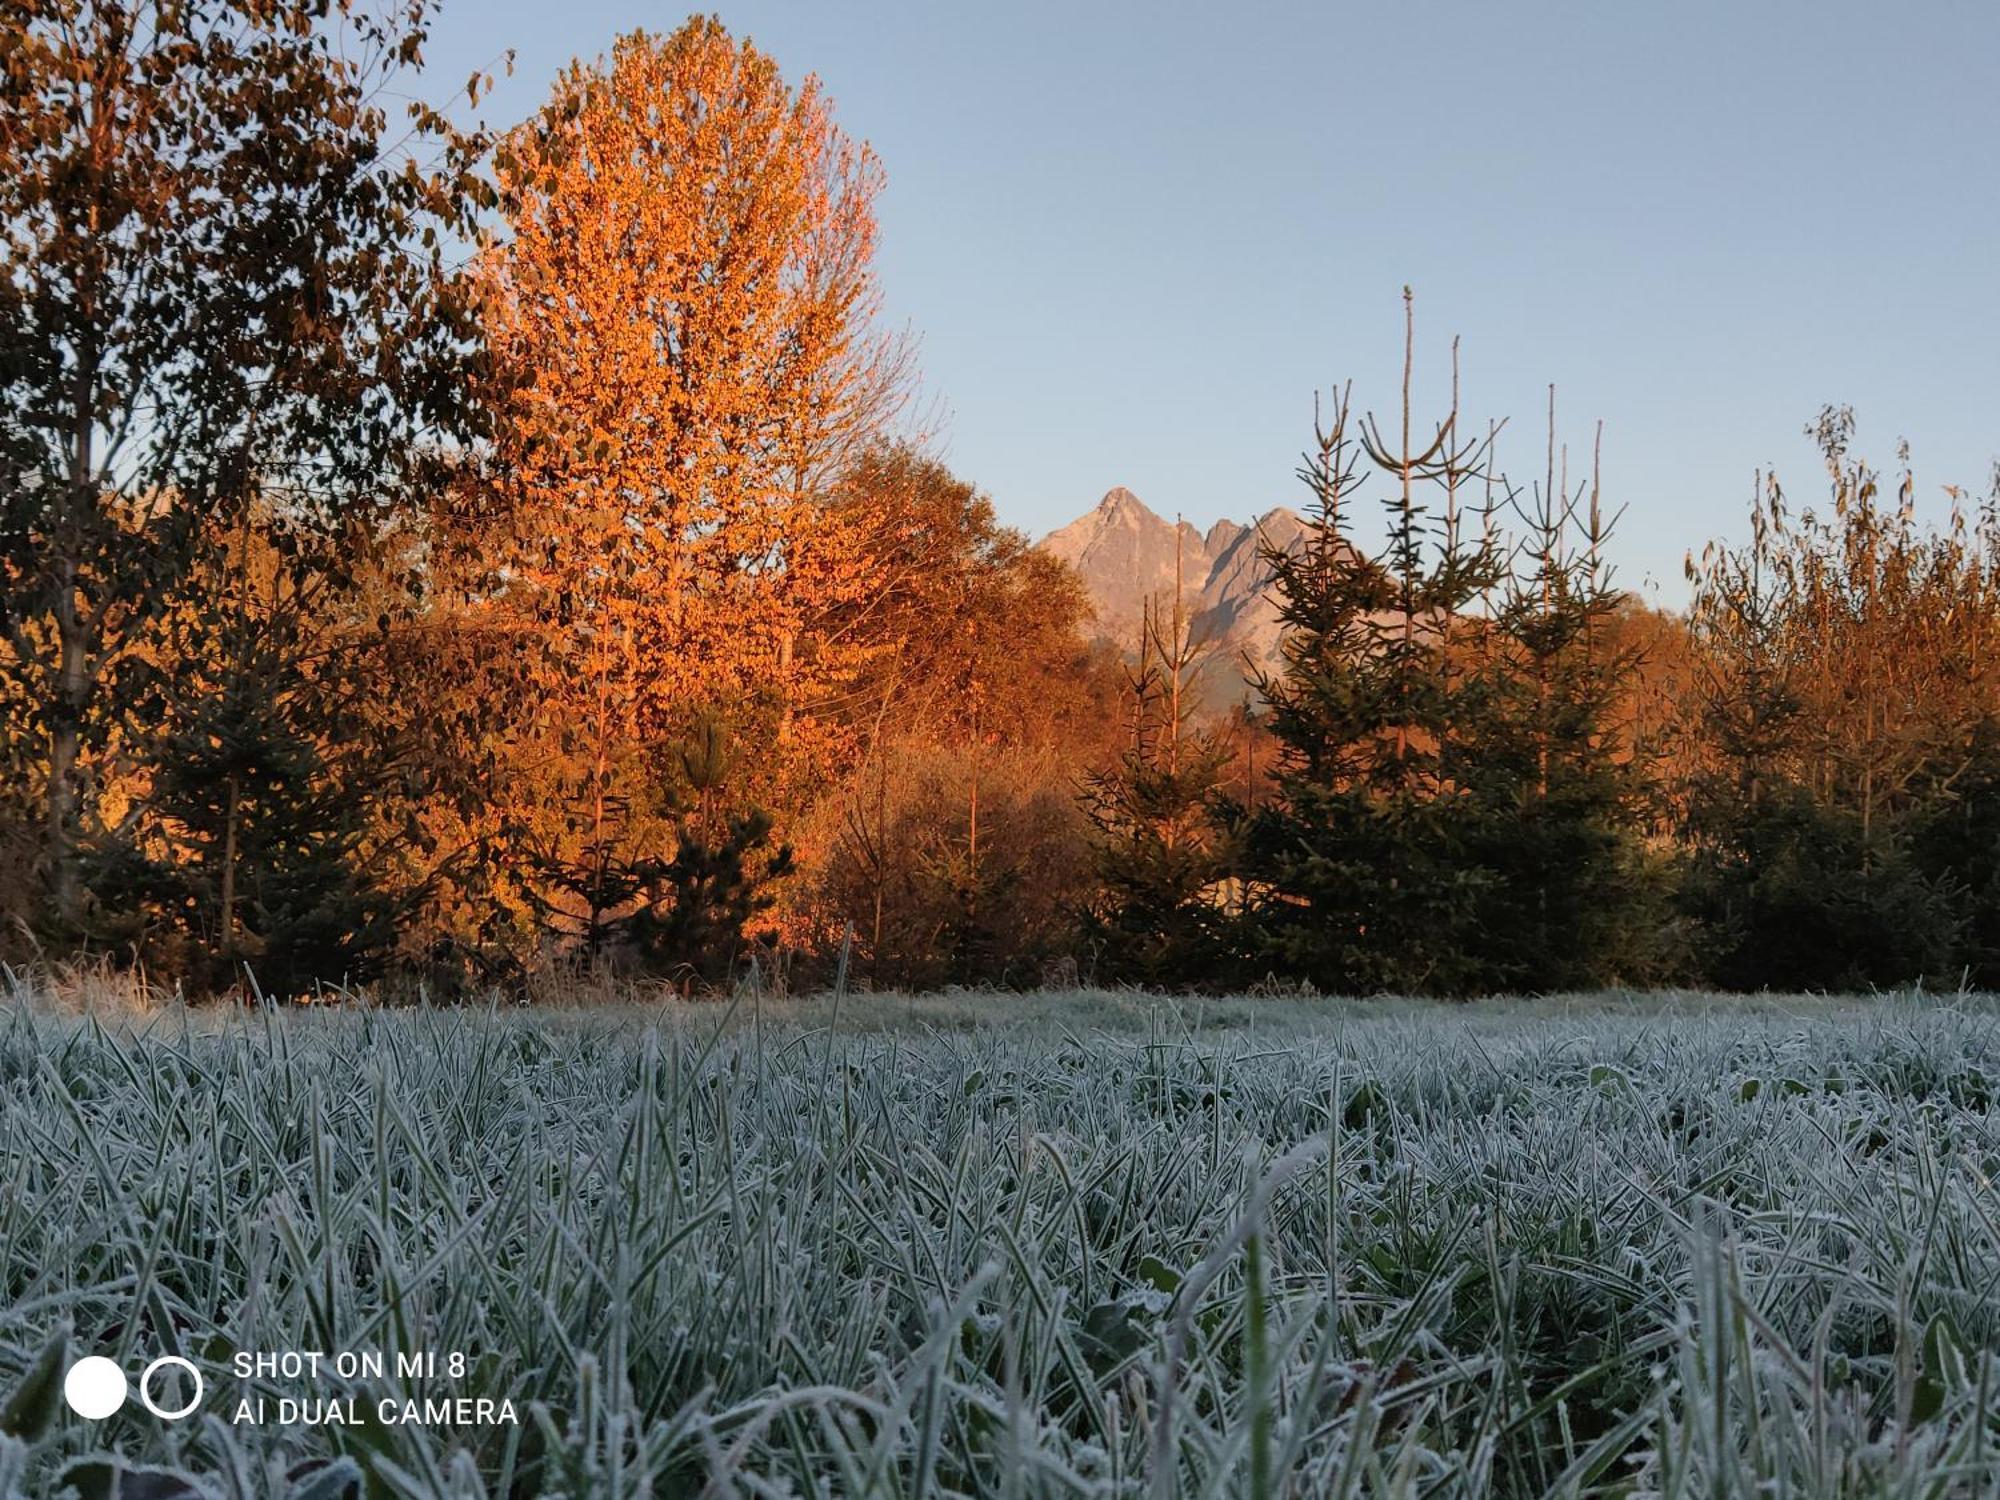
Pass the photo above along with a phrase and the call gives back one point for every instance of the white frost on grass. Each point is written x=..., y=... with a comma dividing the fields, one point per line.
x=962, y=1245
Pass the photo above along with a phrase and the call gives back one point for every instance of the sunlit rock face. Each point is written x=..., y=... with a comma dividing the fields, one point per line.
x=1126, y=554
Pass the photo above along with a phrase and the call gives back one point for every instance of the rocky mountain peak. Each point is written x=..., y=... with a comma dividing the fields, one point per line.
x=1126, y=554
x=1121, y=502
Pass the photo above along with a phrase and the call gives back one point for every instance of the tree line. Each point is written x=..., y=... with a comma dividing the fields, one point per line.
x=457, y=557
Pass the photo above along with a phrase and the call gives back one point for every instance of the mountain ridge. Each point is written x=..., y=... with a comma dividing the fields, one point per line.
x=1127, y=555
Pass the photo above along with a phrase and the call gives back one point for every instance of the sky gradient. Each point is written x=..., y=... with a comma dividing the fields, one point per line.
x=1133, y=239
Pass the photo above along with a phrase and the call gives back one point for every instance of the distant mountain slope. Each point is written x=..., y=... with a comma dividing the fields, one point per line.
x=1125, y=554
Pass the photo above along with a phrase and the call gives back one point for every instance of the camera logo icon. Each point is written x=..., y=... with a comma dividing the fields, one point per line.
x=95, y=1387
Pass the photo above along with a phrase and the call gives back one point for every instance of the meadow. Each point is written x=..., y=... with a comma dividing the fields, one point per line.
x=1058, y=1245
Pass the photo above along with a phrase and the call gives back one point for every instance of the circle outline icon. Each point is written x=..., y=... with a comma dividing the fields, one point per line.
x=146, y=1394
x=87, y=1387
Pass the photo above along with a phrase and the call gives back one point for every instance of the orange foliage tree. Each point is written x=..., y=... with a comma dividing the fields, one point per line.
x=953, y=848
x=682, y=311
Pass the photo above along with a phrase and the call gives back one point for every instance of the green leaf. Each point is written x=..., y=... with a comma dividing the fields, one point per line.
x=1944, y=1352
x=1609, y=1081
x=1158, y=1273
x=32, y=1405
x=108, y=1478
x=218, y=1349
x=1114, y=1331
x=326, y=1479
x=1363, y=1106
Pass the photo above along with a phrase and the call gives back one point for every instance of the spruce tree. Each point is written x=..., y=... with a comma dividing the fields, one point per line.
x=698, y=903
x=671, y=886
x=255, y=844
x=1162, y=853
x=1576, y=901
x=1363, y=874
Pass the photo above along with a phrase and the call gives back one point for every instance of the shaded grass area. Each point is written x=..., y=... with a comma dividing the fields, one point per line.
x=1096, y=1244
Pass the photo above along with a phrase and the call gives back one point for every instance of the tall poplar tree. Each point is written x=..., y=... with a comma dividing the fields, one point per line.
x=683, y=300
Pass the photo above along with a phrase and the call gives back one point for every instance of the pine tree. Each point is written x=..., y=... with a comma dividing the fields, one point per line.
x=1363, y=874
x=722, y=875
x=675, y=886
x=1577, y=902
x=258, y=836
x=1955, y=847
x=1162, y=851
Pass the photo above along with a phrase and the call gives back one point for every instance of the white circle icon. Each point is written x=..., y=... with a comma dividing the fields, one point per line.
x=166, y=1414
x=94, y=1387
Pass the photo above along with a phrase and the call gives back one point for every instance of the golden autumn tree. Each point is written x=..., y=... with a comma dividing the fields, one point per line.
x=682, y=312
x=952, y=847
x=1842, y=706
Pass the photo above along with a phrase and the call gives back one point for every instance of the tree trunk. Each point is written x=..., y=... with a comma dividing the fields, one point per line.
x=72, y=687
x=73, y=672
x=65, y=749
x=230, y=820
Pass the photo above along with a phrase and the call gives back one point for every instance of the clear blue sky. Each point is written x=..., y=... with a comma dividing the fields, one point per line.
x=1134, y=238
